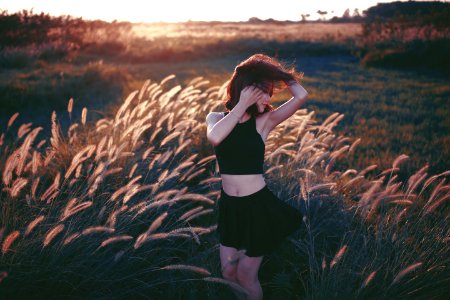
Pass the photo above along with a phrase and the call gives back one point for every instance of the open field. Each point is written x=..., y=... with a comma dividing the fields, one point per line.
x=114, y=195
x=126, y=207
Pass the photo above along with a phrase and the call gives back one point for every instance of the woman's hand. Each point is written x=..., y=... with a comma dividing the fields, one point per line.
x=250, y=95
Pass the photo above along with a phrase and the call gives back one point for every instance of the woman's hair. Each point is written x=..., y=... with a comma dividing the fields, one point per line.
x=262, y=71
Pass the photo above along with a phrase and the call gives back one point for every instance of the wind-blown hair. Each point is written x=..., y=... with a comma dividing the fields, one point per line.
x=262, y=71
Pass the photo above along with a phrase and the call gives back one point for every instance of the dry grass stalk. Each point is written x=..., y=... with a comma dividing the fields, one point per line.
x=206, y=211
x=12, y=119
x=70, y=209
x=157, y=223
x=274, y=168
x=170, y=137
x=124, y=106
x=147, y=152
x=34, y=186
x=367, y=170
x=80, y=157
x=195, y=269
x=348, y=172
x=3, y=275
x=193, y=197
x=70, y=107
x=154, y=134
x=368, y=279
x=367, y=196
x=40, y=144
x=354, y=145
x=211, y=180
x=389, y=171
x=133, y=169
x=83, y=115
x=402, y=202
x=436, y=203
x=303, y=189
x=337, y=153
x=165, y=157
x=324, y=263
x=36, y=162
x=17, y=186
x=125, y=188
x=190, y=213
x=52, y=233
x=112, y=219
x=338, y=256
x=56, y=137
x=115, y=239
x=141, y=239
x=97, y=229
x=193, y=175
x=327, y=186
x=100, y=147
x=164, y=195
x=412, y=184
x=52, y=189
x=23, y=129
x=16, y=161
x=435, y=192
x=405, y=271
x=9, y=240
x=71, y=238
x=50, y=156
x=133, y=190
x=113, y=171
x=229, y=283
x=33, y=225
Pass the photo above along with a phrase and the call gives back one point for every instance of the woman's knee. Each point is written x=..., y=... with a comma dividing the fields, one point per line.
x=229, y=272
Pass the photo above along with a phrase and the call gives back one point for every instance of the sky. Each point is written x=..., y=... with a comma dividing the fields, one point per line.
x=184, y=10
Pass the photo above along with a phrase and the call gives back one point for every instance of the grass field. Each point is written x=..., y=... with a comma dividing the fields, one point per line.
x=115, y=194
x=127, y=207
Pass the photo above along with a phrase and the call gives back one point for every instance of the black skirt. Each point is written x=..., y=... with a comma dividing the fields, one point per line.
x=256, y=223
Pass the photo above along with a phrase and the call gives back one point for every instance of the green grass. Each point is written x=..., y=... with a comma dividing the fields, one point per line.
x=351, y=227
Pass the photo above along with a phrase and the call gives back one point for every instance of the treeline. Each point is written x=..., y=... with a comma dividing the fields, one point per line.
x=25, y=28
x=407, y=34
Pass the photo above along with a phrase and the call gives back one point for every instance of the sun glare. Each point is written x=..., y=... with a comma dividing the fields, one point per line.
x=195, y=10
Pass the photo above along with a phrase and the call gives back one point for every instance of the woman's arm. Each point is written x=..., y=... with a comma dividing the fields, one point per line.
x=299, y=96
x=220, y=127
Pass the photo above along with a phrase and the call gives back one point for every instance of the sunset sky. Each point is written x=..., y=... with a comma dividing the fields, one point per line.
x=184, y=10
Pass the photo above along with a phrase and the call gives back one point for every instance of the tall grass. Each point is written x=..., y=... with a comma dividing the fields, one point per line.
x=126, y=207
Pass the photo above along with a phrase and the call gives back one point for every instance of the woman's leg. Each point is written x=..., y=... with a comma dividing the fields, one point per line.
x=229, y=258
x=247, y=275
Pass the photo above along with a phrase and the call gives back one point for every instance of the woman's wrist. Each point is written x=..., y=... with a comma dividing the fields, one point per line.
x=297, y=90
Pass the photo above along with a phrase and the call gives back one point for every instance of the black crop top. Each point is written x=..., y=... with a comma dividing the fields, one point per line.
x=242, y=151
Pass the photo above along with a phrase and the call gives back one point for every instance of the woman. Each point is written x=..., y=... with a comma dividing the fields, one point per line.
x=252, y=220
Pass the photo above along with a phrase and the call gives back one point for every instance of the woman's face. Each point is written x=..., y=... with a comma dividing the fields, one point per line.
x=263, y=102
x=267, y=89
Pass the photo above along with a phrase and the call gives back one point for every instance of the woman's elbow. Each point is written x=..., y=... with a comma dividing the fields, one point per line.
x=212, y=140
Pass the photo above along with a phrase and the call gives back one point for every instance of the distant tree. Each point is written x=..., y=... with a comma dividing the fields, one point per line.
x=346, y=14
x=356, y=13
x=305, y=17
x=322, y=13
x=255, y=20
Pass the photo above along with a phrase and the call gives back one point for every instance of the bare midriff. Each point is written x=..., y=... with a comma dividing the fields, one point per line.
x=242, y=185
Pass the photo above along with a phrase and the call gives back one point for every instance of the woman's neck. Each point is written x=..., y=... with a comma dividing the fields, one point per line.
x=244, y=117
